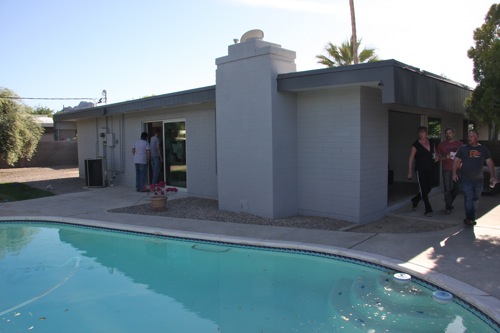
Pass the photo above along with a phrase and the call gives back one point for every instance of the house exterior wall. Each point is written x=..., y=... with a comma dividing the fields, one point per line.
x=200, y=147
x=87, y=142
x=374, y=154
x=342, y=153
x=201, y=153
x=329, y=153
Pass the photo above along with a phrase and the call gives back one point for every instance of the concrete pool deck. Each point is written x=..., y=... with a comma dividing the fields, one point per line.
x=462, y=260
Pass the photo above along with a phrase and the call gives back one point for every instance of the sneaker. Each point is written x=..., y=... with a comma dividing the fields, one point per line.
x=428, y=214
x=448, y=212
x=470, y=222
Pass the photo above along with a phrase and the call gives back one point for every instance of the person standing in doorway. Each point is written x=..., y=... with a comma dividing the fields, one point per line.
x=422, y=153
x=156, y=159
x=472, y=157
x=446, y=151
x=141, y=153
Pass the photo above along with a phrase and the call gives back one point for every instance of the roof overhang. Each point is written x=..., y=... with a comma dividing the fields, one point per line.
x=400, y=84
x=182, y=98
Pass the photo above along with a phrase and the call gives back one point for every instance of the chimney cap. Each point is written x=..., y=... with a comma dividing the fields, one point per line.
x=255, y=33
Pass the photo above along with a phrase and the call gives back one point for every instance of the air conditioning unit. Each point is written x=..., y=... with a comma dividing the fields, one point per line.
x=95, y=175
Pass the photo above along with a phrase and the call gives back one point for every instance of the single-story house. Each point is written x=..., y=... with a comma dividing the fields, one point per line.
x=274, y=142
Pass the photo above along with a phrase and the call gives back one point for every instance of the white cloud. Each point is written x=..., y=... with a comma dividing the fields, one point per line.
x=317, y=6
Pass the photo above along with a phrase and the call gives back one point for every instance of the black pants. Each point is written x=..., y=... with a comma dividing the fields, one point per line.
x=425, y=184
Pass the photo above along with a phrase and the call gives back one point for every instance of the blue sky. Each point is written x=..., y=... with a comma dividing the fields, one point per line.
x=133, y=49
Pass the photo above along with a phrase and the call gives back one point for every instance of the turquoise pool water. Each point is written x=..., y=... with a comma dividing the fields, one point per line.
x=66, y=278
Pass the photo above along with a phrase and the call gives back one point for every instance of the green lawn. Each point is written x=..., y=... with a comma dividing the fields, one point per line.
x=18, y=191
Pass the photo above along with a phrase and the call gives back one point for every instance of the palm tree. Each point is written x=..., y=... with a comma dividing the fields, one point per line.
x=353, y=28
x=345, y=55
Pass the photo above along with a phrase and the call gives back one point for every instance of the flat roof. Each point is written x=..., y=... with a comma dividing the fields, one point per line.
x=401, y=85
x=181, y=98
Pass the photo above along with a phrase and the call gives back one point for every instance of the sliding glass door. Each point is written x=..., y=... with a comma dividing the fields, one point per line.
x=175, y=153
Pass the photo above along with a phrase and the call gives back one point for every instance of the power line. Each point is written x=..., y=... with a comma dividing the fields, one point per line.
x=52, y=98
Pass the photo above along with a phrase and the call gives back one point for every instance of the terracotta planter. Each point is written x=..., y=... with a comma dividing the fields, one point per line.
x=158, y=203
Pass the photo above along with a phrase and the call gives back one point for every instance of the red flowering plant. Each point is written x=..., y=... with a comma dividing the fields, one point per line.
x=161, y=190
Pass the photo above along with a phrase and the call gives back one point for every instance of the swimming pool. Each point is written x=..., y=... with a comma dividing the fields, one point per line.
x=56, y=277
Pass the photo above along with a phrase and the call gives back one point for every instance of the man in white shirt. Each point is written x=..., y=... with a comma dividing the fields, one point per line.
x=142, y=155
x=156, y=156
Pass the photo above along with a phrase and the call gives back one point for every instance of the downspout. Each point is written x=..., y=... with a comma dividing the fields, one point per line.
x=122, y=141
x=97, y=137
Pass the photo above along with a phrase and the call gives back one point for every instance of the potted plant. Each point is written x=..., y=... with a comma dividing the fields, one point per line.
x=159, y=195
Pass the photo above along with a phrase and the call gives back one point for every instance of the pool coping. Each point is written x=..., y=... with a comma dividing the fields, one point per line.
x=477, y=298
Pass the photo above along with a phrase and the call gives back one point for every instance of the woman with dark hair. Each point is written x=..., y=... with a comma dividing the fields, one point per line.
x=422, y=153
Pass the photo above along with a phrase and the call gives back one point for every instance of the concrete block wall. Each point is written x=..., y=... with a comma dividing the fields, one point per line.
x=48, y=153
x=329, y=153
x=374, y=151
x=200, y=153
x=87, y=147
x=255, y=125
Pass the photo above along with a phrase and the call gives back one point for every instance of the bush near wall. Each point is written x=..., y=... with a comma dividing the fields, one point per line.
x=48, y=154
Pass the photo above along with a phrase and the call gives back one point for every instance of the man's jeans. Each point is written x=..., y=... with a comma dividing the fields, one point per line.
x=140, y=176
x=472, y=192
x=155, y=166
x=450, y=189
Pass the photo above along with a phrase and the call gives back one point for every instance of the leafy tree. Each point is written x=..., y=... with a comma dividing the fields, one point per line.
x=43, y=111
x=483, y=105
x=344, y=55
x=19, y=133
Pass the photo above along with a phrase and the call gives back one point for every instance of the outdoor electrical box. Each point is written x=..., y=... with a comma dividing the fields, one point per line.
x=95, y=175
x=110, y=140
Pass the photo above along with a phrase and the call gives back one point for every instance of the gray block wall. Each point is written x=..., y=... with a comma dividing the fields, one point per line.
x=328, y=153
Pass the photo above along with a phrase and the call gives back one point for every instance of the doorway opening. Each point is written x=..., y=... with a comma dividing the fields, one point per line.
x=172, y=150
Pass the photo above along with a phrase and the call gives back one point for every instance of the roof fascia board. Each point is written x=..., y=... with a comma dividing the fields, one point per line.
x=400, y=83
x=381, y=73
x=187, y=97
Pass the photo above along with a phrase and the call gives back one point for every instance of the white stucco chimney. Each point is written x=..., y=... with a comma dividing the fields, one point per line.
x=256, y=129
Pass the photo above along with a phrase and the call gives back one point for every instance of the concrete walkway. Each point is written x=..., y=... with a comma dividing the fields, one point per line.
x=462, y=260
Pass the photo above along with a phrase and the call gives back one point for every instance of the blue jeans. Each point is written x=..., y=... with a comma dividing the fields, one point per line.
x=472, y=192
x=155, y=166
x=140, y=176
x=450, y=189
